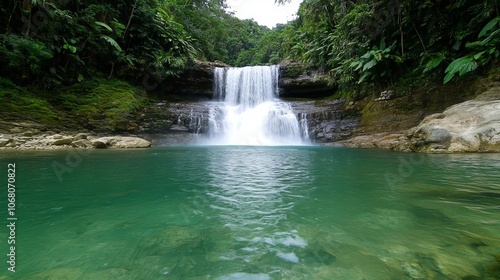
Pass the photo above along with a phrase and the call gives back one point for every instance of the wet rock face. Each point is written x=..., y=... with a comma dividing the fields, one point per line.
x=195, y=83
x=295, y=80
x=178, y=117
x=327, y=120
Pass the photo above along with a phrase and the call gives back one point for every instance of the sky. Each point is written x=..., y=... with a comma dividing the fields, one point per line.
x=264, y=12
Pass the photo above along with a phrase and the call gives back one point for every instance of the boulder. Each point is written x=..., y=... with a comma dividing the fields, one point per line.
x=82, y=144
x=471, y=126
x=100, y=143
x=61, y=141
x=120, y=142
x=81, y=136
x=131, y=142
x=4, y=142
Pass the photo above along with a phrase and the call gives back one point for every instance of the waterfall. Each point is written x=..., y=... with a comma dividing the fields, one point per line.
x=250, y=112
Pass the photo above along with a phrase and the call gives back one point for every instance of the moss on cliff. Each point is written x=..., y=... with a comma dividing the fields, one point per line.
x=96, y=104
x=21, y=104
x=102, y=104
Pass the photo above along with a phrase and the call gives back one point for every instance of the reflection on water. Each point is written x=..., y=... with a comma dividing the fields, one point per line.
x=252, y=193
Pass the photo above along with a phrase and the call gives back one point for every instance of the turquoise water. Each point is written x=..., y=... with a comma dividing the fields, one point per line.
x=254, y=213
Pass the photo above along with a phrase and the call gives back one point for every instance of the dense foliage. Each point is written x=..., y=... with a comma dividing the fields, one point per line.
x=67, y=41
x=378, y=41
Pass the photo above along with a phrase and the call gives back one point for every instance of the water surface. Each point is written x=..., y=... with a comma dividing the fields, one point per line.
x=255, y=213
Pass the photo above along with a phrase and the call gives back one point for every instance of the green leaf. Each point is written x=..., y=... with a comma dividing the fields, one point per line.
x=398, y=59
x=102, y=24
x=478, y=55
x=360, y=64
x=369, y=65
x=433, y=63
x=112, y=42
x=461, y=66
x=366, y=55
x=80, y=78
x=468, y=67
x=69, y=47
x=363, y=77
x=448, y=77
x=382, y=44
x=491, y=37
x=488, y=26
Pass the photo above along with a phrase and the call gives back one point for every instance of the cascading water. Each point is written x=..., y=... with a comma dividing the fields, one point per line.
x=251, y=113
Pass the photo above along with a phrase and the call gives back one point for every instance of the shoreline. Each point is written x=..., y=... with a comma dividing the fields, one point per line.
x=31, y=141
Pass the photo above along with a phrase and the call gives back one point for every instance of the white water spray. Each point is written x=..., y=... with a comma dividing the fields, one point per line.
x=251, y=113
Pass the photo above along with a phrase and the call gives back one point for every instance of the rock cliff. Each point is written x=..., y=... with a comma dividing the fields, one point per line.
x=295, y=80
x=471, y=126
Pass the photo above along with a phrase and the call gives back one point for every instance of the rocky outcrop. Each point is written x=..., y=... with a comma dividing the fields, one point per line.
x=175, y=117
x=195, y=83
x=471, y=126
x=378, y=140
x=51, y=141
x=122, y=142
x=296, y=80
x=327, y=120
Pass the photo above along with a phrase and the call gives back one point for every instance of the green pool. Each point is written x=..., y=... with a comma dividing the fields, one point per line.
x=253, y=213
